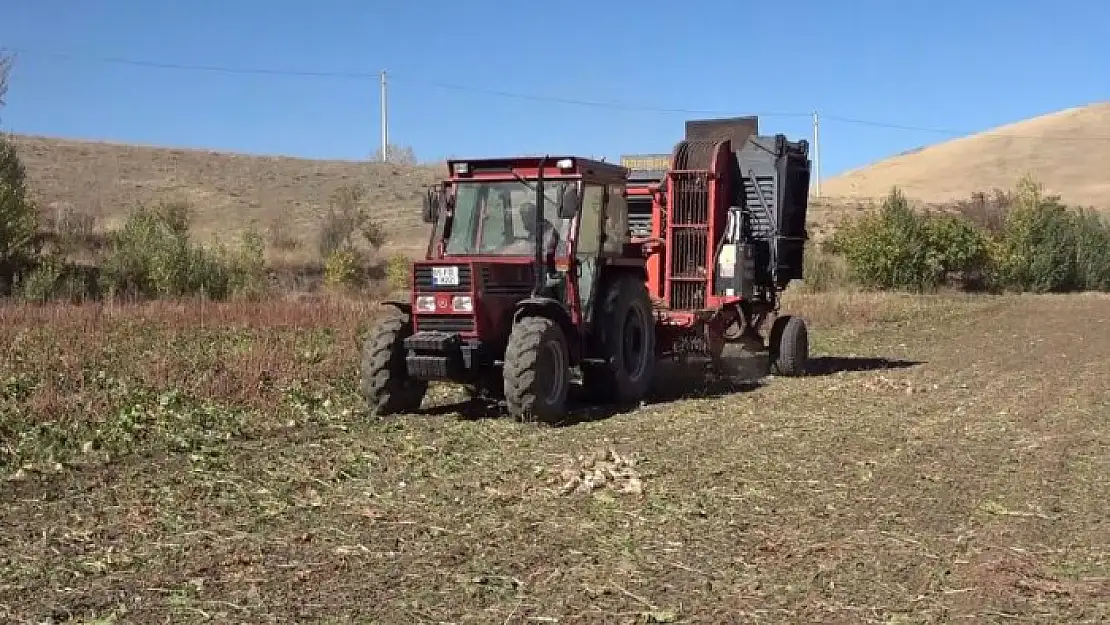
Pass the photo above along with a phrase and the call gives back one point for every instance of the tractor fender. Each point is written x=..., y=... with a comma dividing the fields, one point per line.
x=402, y=306
x=552, y=309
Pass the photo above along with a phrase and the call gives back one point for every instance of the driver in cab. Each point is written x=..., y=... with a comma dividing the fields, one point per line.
x=525, y=245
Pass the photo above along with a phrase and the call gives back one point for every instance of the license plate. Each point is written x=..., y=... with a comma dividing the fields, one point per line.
x=445, y=276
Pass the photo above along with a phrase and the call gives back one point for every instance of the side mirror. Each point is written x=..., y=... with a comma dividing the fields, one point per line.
x=568, y=203
x=430, y=214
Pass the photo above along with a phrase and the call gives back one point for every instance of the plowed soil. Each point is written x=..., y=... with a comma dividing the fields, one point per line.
x=947, y=461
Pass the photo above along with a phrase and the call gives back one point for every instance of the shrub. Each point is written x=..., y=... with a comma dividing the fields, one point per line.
x=246, y=265
x=398, y=272
x=1092, y=251
x=153, y=256
x=281, y=232
x=19, y=241
x=890, y=249
x=347, y=218
x=1037, y=248
x=898, y=248
x=957, y=247
x=823, y=272
x=1019, y=241
x=341, y=271
x=986, y=211
x=53, y=278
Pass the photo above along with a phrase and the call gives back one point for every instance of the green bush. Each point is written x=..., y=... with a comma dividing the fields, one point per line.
x=957, y=248
x=398, y=272
x=1092, y=251
x=893, y=249
x=1022, y=241
x=56, y=278
x=247, y=265
x=152, y=256
x=341, y=270
x=19, y=240
x=1046, y=247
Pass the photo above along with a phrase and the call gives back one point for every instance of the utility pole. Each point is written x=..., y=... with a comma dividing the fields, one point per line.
x=816, y=154
x=385, y=120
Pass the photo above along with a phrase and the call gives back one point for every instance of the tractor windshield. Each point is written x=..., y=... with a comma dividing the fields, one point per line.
x=498, y=219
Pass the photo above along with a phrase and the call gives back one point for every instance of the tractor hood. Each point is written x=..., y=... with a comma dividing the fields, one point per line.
x=469, y=296
x=486, y=276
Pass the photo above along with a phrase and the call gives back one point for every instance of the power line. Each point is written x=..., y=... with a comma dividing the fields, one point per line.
x=220, y=69
x=363, y=75
x=350, y=75
x=591, y=103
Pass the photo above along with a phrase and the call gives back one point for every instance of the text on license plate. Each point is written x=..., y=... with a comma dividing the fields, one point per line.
x=445, y=276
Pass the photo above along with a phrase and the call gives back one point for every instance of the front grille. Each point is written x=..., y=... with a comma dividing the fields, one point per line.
x=423, y=279
x=444, y=323
x=506, y=280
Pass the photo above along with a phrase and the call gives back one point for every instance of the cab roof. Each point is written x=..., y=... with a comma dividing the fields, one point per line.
x=506, y=164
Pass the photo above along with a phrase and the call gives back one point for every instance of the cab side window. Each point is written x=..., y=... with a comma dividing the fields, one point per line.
x=616, y=220
x=589, y=229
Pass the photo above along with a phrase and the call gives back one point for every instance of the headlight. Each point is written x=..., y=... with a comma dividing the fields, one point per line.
x=462, y=303
x=426, y=303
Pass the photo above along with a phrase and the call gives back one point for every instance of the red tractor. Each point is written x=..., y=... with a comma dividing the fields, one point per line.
x=543, y=269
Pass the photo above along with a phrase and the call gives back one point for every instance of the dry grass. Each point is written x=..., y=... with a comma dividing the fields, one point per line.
x=228, y=192
x=1072, y=167
x=284, y=198
x=947, y=462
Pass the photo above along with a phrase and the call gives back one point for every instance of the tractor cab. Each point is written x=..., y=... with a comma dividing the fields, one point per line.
x=516, y=228
x=529, y=265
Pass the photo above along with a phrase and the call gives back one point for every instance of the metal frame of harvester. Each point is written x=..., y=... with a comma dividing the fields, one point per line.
x=681, y=258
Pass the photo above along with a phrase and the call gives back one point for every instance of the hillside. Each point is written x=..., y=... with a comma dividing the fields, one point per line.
x=230, y=191
x=1068, y=151
x=227, y=191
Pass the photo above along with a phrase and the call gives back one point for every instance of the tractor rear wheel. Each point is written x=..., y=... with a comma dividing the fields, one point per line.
x=788, y=346
x=537, y=370
x=386, y=385
x=626, y=328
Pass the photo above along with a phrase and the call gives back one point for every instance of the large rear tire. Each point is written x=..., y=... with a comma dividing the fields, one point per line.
x=626, y=335
x=537, y=370
x=789, y=346
x=385, y=384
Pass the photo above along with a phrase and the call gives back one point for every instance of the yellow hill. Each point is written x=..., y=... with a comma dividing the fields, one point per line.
x=227, y=192
x=1067, y=151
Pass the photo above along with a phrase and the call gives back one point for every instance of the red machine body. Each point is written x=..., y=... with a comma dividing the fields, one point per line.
x=727, y=217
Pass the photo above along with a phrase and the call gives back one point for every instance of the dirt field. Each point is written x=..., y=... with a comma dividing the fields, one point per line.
x=211, y=467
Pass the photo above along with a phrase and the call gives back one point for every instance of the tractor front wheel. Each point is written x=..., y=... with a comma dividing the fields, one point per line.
x=386, y=385
x=537, y=370
x=789, y=346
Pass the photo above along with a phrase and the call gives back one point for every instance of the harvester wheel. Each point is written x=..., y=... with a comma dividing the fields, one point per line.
x=789, y=346
x=537, y=370
x=385, y=383
x=627, y=337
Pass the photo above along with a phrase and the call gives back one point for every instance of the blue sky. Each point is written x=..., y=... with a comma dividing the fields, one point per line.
x=941, y=64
